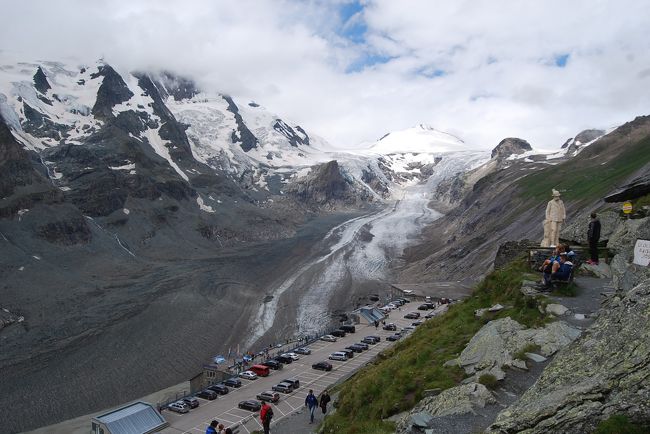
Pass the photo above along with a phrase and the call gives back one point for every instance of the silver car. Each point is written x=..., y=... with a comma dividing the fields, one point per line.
x=328, y=338
x=248, y=375
x=178, y=407
x=339, y=356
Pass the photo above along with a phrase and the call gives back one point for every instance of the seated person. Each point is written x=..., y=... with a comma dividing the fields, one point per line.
x=555, y=257
x=559, y=270
x=564, y=269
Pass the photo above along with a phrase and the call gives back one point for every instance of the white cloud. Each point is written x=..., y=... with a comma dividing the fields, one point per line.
x=495, y=60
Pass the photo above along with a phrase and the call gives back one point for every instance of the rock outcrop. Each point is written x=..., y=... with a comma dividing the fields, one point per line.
x=495, y=345
x=510, y=146
x=626, y=274
x=584, y=137
x=455, y=401
x=638, y=187
x=326, y=185
x=576, y=231
x=605, y=372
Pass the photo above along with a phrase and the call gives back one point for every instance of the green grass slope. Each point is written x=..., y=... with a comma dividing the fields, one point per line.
x=593, y=173
x=396, y=381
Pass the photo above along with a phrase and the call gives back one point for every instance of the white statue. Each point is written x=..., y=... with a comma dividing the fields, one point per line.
x=555, y=216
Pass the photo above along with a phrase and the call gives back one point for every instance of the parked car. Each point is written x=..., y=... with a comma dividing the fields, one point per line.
x=219, y=388
x=416, y=323
x=283, y=387
x=208, y=394
x=374, y=297
x=292, y=356
x=412, y=315
x=295, y=383
x=393, y=338
x=248, y=375
x=322, y=366
x=355, y=348
x=362, y=345
x=408, y=328
x=349, y=353
x=368, y=340
x=397, y=302
x=232, y=382
x=268, y=396
x=423, y=307
x=273, y=364
x=303, y=350
x=390, y=326
x=250, y=405
x=375, y=337
x=429, y=315
x=328, y=338
x=348, y=328
x=338, y=355
x=282, y=358
x=178, y=407
x=191, y=402
x=338, y=333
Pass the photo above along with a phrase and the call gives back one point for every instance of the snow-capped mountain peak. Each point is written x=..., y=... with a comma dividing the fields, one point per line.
x=421, y=138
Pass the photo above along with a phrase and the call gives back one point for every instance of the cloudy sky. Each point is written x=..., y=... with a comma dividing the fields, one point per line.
x=351, y=71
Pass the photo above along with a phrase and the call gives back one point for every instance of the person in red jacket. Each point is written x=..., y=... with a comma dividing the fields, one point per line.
x=266, y=414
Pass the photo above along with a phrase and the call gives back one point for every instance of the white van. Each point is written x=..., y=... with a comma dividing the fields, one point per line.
x=339, y=356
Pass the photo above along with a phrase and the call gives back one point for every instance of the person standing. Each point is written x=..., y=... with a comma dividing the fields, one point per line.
x=266, y=414
x=212, y=429
x=593, y=235
x=324, y=399
x=311, y=402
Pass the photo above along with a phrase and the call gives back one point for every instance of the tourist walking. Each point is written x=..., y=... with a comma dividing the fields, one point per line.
x=593, y=235
x=311, y=402
x=324, y=399
x=266, y=414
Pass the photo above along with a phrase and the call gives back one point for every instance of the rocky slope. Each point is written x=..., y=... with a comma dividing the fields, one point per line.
x=606, y=371
x=505, y=198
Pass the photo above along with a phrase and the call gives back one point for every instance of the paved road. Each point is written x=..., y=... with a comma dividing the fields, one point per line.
x=225, y=410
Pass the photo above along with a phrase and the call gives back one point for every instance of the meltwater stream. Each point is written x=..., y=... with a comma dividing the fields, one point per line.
x=352, y=256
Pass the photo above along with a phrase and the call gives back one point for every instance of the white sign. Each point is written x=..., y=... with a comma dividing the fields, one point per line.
x=642, y=252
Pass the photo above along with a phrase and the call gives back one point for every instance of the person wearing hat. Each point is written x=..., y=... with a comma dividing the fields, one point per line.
x=555, y=216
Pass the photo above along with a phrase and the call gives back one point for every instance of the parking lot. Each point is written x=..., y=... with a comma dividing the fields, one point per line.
x=224, y=409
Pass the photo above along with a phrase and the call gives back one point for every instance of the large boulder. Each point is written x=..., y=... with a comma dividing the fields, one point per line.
x=605, y=372
x=626, y=274
x=454, y=401
x=496, y=344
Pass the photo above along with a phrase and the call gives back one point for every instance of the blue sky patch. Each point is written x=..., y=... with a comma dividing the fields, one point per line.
x=353, y=28
x=430, y=72
x=366, y=61
x=561, y=60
